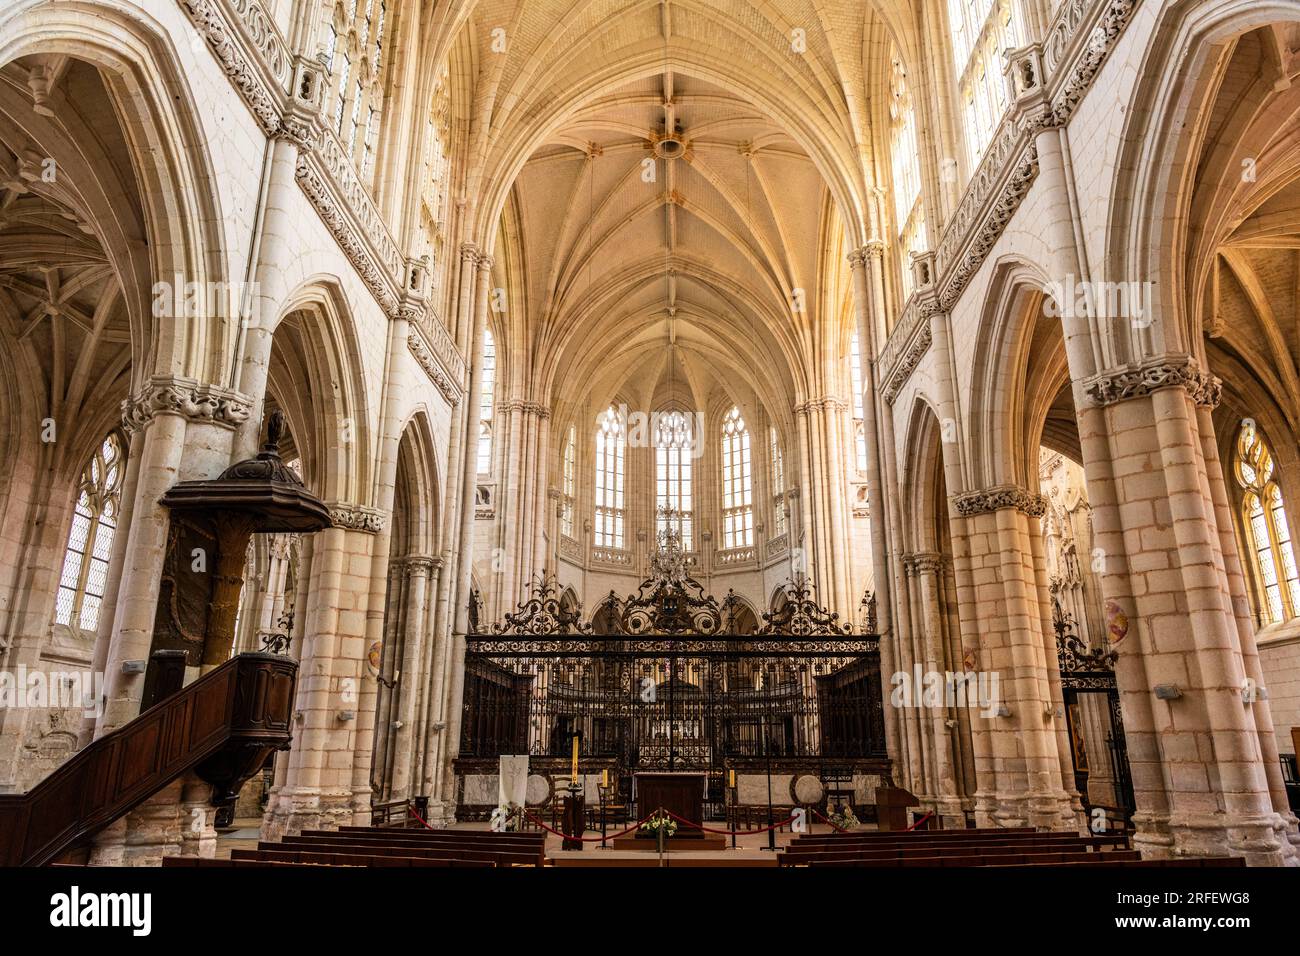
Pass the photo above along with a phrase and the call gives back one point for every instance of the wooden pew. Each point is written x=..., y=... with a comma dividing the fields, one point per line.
x=873, y=841
x=1067, y=844
x=1022, y=858
x=476, y=837
x=354, y=858
x=498, y=855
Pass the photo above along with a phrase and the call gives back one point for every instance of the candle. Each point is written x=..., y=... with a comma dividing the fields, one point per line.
x=575, y=758
x=604, y=778
x=731, y=779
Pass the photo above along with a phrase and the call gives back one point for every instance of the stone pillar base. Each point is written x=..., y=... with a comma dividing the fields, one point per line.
x=197, y=816
x=295, y=811
x=1041, y=811
x=441, y=813
x=1261, y=840
x=147, y=834
x=950, y=811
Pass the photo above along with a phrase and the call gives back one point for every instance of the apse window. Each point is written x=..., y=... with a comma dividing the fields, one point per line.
x=486, y=403
x=778, y=483
x=737, y=490
x=94, y=521
x=570, y=482
x=674, y=442
x=611, y=446
x=1268, y=536
x=859, y=428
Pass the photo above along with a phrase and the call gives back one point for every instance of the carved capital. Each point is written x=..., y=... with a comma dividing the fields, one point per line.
x=1135, y=381
x=924, y=562
x=358, y=517
x=186, y=397
x=995, y=499
x=421, y=564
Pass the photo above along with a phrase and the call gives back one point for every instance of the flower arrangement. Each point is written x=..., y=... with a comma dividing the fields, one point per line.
x=659, y=825
x=843, y=818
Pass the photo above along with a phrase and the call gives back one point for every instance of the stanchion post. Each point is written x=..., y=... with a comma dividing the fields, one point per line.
x=602, y=818
x=771, y=824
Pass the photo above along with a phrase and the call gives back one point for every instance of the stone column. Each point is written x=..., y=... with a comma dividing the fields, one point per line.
x=160, y=412
x=1199, y=776
x=1235, y=586
x=929, y=569
x=454, y=676
x=1016, y=745
x=319, y=788
x=417, y=569
x=880, y=583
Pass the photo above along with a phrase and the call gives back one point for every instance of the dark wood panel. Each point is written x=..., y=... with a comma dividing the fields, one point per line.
x=194, y=728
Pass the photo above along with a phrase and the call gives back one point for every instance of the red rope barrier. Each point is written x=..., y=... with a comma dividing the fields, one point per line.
x=928, y=815
x=587, y=839
x=410, y=807
x=698, y=826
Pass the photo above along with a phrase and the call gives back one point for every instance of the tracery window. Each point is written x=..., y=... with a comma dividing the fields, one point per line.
x=90, y=539
x=356, y=89
x=486, y=403
x=674, y=443
x=737, y=484
x=982, y=30
x=859, y=428
x=909, y=211
x=778, y=483
x=611, y=444
x=1268, y=536
x=570, y=482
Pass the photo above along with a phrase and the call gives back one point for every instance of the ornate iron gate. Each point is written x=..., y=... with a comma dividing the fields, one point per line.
x=1087, y=671
x=676, y=688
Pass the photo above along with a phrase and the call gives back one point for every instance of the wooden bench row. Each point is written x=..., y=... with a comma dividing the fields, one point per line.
x=1065, y=845
x=383, y=846
x=498, y=855
x=874, y=841
x=1020, y=857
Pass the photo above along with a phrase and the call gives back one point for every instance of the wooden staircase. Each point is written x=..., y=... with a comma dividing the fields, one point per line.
x=222, y=727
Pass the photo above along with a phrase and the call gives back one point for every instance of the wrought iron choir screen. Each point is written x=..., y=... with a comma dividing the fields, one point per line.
x=674, y=684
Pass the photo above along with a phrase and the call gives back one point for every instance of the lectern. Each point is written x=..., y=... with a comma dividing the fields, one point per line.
x=891, y=807
x=679, y=793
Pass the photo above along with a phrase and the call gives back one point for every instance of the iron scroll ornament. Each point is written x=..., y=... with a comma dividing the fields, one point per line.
x=801, y=616
x=543, y=612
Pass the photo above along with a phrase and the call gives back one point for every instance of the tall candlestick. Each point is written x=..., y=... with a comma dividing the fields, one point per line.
x=575, y=758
